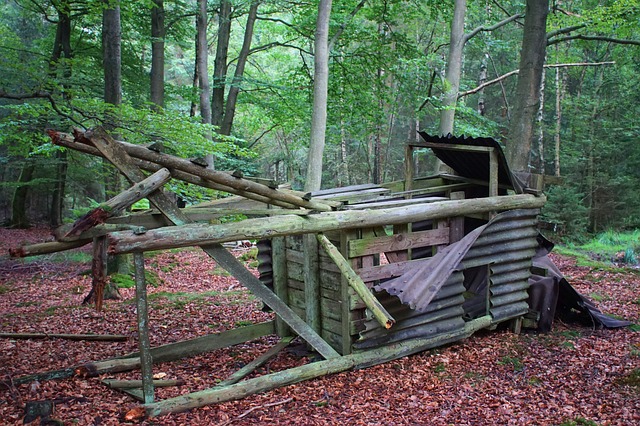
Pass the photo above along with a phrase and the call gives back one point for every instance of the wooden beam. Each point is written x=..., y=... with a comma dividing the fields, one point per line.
x=198, y=234
x=146, y=360
x=120, y=202
x=84, y=337
x=376, y=308
x=133, y=384
x=397, y=242
x=46, y=248
x=304, y=372
x=256, y=363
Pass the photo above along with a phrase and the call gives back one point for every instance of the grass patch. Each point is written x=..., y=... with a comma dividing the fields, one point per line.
x=27, y=303
x=129, y=281
x=62, y=257
x=630, y=379
x=578, y=421
x=515, y=362
x=606, y=248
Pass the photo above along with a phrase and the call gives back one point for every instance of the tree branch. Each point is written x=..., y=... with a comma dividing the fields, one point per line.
x=40, y=95
x=514, y=72
x=565, y=30
x=493, y=27
x=338, y=33
x=598, y=38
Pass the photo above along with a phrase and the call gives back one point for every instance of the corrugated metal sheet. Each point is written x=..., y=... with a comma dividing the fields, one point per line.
x=501, y=250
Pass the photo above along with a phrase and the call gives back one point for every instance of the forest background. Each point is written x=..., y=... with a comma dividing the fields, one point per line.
x=233, y=81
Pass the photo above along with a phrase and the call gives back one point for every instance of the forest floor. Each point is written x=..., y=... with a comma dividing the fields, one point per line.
x=571, y=376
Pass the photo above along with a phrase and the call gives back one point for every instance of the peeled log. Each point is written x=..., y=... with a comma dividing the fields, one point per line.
x=200, y=234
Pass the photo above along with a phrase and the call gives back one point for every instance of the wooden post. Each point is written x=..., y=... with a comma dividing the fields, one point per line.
x=99, y=270
x=312, y=282
x=143, y=329
x=279, y=265
x=408, y=169
x=376, y=308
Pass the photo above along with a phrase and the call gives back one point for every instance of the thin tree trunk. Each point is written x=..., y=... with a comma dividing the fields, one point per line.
x=202, y=62
x=320, y=95
x=454, y=68
x=157, y=53
x=19, y=217
x=57, y=195
x=234, y=90
x=220, y=64
x=559, y=97
x=540, y=121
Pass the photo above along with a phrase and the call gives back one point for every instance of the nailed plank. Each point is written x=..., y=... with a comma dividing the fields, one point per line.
x=376, y=245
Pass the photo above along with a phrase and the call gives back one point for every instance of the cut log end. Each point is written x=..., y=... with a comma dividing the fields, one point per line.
x=137, y=413
x=17, y=252
x=86, y=371
x=389, y=324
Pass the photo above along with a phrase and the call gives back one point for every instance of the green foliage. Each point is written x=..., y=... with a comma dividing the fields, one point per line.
x=565, y=210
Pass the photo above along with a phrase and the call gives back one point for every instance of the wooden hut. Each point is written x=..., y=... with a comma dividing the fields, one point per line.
x=364, y=274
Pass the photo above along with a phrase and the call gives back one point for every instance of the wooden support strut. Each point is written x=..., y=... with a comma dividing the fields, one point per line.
x=114, y=152
x=379, y=312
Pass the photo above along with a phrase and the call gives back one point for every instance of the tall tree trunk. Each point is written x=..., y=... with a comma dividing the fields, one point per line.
x=202, y=62
x=220, y=64
x=111, y=53
x=320, y=95
x=232, y=97
x=540, y=166
x=19, y=217
x=454, y=68
x=559, y=97
x=61, y=49
x=481, y=80
x=527, y=96
x=157, y=53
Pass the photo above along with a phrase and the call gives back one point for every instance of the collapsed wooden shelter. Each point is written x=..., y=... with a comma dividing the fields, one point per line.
x=364, y=274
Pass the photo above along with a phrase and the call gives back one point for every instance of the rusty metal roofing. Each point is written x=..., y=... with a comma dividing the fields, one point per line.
x=473, y=165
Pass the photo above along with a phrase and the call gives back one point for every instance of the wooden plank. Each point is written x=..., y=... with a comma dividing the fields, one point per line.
x=332, y=191
x=133, y=384
x=312, y=282
x=390, y=270
x=379, y=312
x=456, y=224
x=279, y=265
x=146, y=361
x=397, y=242
x=392, y=203
x=451, y=147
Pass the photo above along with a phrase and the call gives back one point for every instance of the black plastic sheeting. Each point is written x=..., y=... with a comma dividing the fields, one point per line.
x=553, y=297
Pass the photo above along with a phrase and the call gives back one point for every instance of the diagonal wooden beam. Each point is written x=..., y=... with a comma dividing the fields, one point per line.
x=119, y=157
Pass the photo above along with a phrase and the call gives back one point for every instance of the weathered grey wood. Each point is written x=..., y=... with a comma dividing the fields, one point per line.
x=61, y=232
x=408, y=170
x=196, y=234
x=67, y=141
x=146, y=361
x=392, y=203
x=133, y=384
x=99, y=270
x=235, y=183
x=179, y=350
x=397, y=242
x=46, y=248
x=120, y=202
x=246, y=278
x=376, y=308
x=305, y=372
x=279, y=270
x=256, y=363
x=382, y=272
x=312, y=282
x=85, y=337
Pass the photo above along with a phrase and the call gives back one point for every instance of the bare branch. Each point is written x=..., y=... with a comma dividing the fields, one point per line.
x=338, y=33
x=597, y=38
x=514, y=72
x=565, y=30
x=493, y=27
x=40, y=95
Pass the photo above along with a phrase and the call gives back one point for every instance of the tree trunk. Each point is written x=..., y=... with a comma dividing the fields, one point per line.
x=232, y=97
x=157, y=53
x=320, y=95
x=202, y=62
x=539, y=165
x=559, y=97
x=527, y=96
x=19, y=217
x=57, y=196
x=454, y=68
x=220, y=64
x=111, y=56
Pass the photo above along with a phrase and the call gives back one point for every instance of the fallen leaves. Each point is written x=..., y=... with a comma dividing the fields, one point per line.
x=495, y=377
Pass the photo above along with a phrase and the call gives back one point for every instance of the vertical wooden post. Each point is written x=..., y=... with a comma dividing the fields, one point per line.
x=312, y=281
x=346, y=295
x=279, y=265
x=99, y=270
x=456, y=224
x=408, y=169
x=146, y=361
